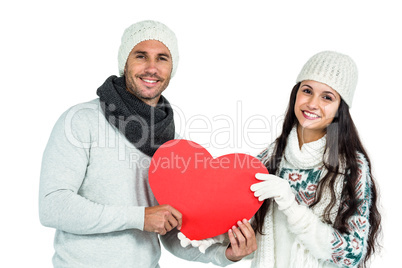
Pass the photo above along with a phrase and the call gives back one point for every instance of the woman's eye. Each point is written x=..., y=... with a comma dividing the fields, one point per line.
x=308, y=91
x=328, y=98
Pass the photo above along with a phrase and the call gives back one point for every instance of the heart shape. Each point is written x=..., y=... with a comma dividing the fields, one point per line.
x=211, y=193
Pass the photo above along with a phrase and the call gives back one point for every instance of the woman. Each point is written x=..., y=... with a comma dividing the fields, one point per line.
x=320, y=199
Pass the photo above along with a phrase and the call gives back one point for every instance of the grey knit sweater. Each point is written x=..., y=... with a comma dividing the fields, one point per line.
x=94, y=190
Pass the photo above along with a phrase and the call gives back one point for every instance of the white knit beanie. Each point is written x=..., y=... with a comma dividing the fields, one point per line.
x=334, y=69
x=147, y=30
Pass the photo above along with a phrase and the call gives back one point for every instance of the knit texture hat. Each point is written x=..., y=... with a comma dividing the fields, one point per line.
x=147, y=30
x=334, y=69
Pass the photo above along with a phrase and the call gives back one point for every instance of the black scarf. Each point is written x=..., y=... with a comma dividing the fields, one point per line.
x=146, y=127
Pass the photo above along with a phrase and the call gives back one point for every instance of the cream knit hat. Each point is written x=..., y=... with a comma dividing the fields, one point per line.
x=334, y=69
x=147, y=30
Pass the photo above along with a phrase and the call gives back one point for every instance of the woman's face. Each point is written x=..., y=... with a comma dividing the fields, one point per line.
x=315, y=108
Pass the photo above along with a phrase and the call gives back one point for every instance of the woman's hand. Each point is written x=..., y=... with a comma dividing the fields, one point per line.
x=201, y=244
x=242, y=241
x=273, y=187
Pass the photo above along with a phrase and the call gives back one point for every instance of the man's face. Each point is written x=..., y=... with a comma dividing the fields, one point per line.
x=147, y=71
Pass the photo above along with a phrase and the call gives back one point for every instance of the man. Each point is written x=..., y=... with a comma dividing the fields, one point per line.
x=94, y=181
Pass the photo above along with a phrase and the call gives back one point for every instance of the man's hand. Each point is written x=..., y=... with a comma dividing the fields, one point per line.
x=242, y=241
x=162, y=219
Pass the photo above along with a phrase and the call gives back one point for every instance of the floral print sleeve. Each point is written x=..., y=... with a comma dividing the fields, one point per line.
x=348, y=249
x=266, y=153
x=263, y=155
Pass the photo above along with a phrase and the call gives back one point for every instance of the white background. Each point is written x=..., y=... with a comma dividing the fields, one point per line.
x=238, y=60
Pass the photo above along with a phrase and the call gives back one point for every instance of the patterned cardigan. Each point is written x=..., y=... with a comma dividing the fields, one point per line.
x=312, y=242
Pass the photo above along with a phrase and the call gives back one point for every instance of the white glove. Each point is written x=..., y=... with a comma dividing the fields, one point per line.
x=201, y=244
x=273, y=187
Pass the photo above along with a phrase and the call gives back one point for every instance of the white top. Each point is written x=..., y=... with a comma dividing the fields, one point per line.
x=297, y=236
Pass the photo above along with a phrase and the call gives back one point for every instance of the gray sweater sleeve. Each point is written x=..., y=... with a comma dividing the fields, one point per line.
x=64, y=167
x=214, y=254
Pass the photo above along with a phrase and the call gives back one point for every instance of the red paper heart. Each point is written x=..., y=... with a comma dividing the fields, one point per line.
x=212, y=194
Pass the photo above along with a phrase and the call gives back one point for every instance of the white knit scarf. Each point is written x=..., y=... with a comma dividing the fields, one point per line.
x=308, y=157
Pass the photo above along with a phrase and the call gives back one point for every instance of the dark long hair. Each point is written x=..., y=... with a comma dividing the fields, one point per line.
x=343, y=145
